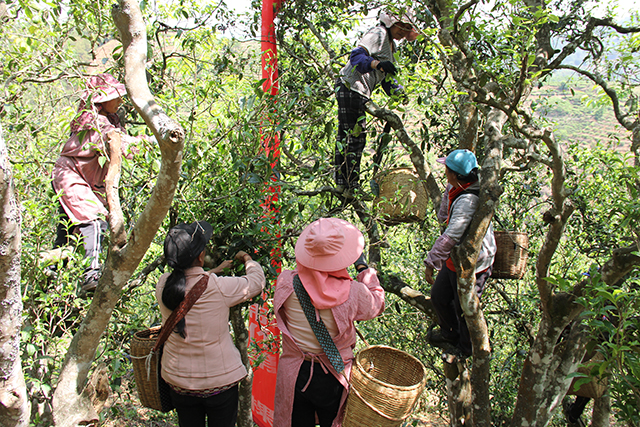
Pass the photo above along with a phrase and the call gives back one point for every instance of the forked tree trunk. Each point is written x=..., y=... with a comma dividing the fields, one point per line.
x=70, y=406
x=14, y=405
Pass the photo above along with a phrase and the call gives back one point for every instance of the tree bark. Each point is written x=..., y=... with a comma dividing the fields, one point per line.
x=458, y=393
x=14, y=404
x=464, y=257
x=241, y=337
x=70, y=406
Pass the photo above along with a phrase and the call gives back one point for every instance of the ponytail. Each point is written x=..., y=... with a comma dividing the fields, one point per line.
x=466, y=179
x=173, y=294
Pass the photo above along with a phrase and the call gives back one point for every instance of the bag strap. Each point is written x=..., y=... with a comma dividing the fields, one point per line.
x=318, y=327
x=181, y=311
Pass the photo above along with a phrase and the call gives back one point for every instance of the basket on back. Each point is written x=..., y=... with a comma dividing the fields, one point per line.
x=146, y=374
x=594, y=388
x=385, y=386
x=511, y=256
x=402, y=197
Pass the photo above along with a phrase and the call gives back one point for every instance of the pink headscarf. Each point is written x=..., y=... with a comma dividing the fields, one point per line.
x=327, y=289
x=89, y=116
x=101, y=88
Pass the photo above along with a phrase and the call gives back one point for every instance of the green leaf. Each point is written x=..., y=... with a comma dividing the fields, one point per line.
x=31, y=349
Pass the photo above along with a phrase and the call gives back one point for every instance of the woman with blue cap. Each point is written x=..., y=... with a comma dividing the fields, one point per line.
x=459, y=203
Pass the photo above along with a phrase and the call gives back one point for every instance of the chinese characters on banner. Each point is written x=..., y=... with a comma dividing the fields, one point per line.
x=263, y=332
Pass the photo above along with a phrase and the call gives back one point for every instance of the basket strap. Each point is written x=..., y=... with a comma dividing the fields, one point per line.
x=181, y=311
x=495, y=215
x=374, y=409
x=364, y=340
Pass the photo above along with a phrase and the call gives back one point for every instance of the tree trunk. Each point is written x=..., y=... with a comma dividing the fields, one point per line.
x=70, y=406
x=458, y=393
x=14, y=405
x=241, y=335
x=601, y=411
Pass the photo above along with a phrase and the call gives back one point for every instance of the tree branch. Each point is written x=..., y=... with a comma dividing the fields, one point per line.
x=395, y=285
x=623, y=119
x=112, y=182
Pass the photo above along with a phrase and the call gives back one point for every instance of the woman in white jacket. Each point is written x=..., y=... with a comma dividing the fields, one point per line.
x=459, y=203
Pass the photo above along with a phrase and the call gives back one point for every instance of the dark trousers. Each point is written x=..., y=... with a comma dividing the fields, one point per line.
x=446, y=303
x=577, y=408
x=352, y=136
x=220, y=410
x=92, y=234
x=322, y=397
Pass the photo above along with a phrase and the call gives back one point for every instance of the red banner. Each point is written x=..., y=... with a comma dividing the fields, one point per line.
x=264, y=335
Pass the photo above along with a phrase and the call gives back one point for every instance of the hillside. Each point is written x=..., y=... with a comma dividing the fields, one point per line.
x=579, y=113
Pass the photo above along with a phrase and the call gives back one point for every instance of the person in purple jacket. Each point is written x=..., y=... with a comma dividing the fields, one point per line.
x=79, y=173
x=370, y=64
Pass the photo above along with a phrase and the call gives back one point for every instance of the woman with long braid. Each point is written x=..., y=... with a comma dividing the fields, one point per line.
x=200, y=361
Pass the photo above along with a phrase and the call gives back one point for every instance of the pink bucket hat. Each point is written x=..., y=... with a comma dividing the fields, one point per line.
x=329, y=244
x=103, y=88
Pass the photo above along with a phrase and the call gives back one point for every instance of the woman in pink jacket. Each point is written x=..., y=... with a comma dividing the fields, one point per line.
x=79, y=172
x=312, y=378
x=200, y=361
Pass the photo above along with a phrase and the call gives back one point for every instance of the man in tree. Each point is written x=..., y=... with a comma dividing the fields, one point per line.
x=370, y=64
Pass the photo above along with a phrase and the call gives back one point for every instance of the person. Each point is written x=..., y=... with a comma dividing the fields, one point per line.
x=308, y=384
x=459, y=203
x=79, y=173
x=200, y=361
x=573, y=410
x=369, y=65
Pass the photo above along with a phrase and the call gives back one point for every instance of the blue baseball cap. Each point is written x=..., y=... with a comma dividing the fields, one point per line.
x=460, y=161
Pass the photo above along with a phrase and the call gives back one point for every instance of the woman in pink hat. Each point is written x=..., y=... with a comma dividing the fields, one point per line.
x=79, y=172
x=316, y=305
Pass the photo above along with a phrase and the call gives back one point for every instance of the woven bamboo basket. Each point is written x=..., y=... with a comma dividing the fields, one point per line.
x=385, y=386
x=511, y=256
x=147, y=385
x=594, y=388
x=402, y=197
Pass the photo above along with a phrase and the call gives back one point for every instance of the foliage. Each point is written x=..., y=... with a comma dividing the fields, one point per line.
x=210, y=83
x=612, y=317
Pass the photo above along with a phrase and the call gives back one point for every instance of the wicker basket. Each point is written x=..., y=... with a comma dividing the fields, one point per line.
x=594, y=388
x=402, y=197
x=385, y=386
x=146, y=376
x=511, y=256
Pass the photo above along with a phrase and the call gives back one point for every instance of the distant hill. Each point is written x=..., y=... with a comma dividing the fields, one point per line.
x=578, y=112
